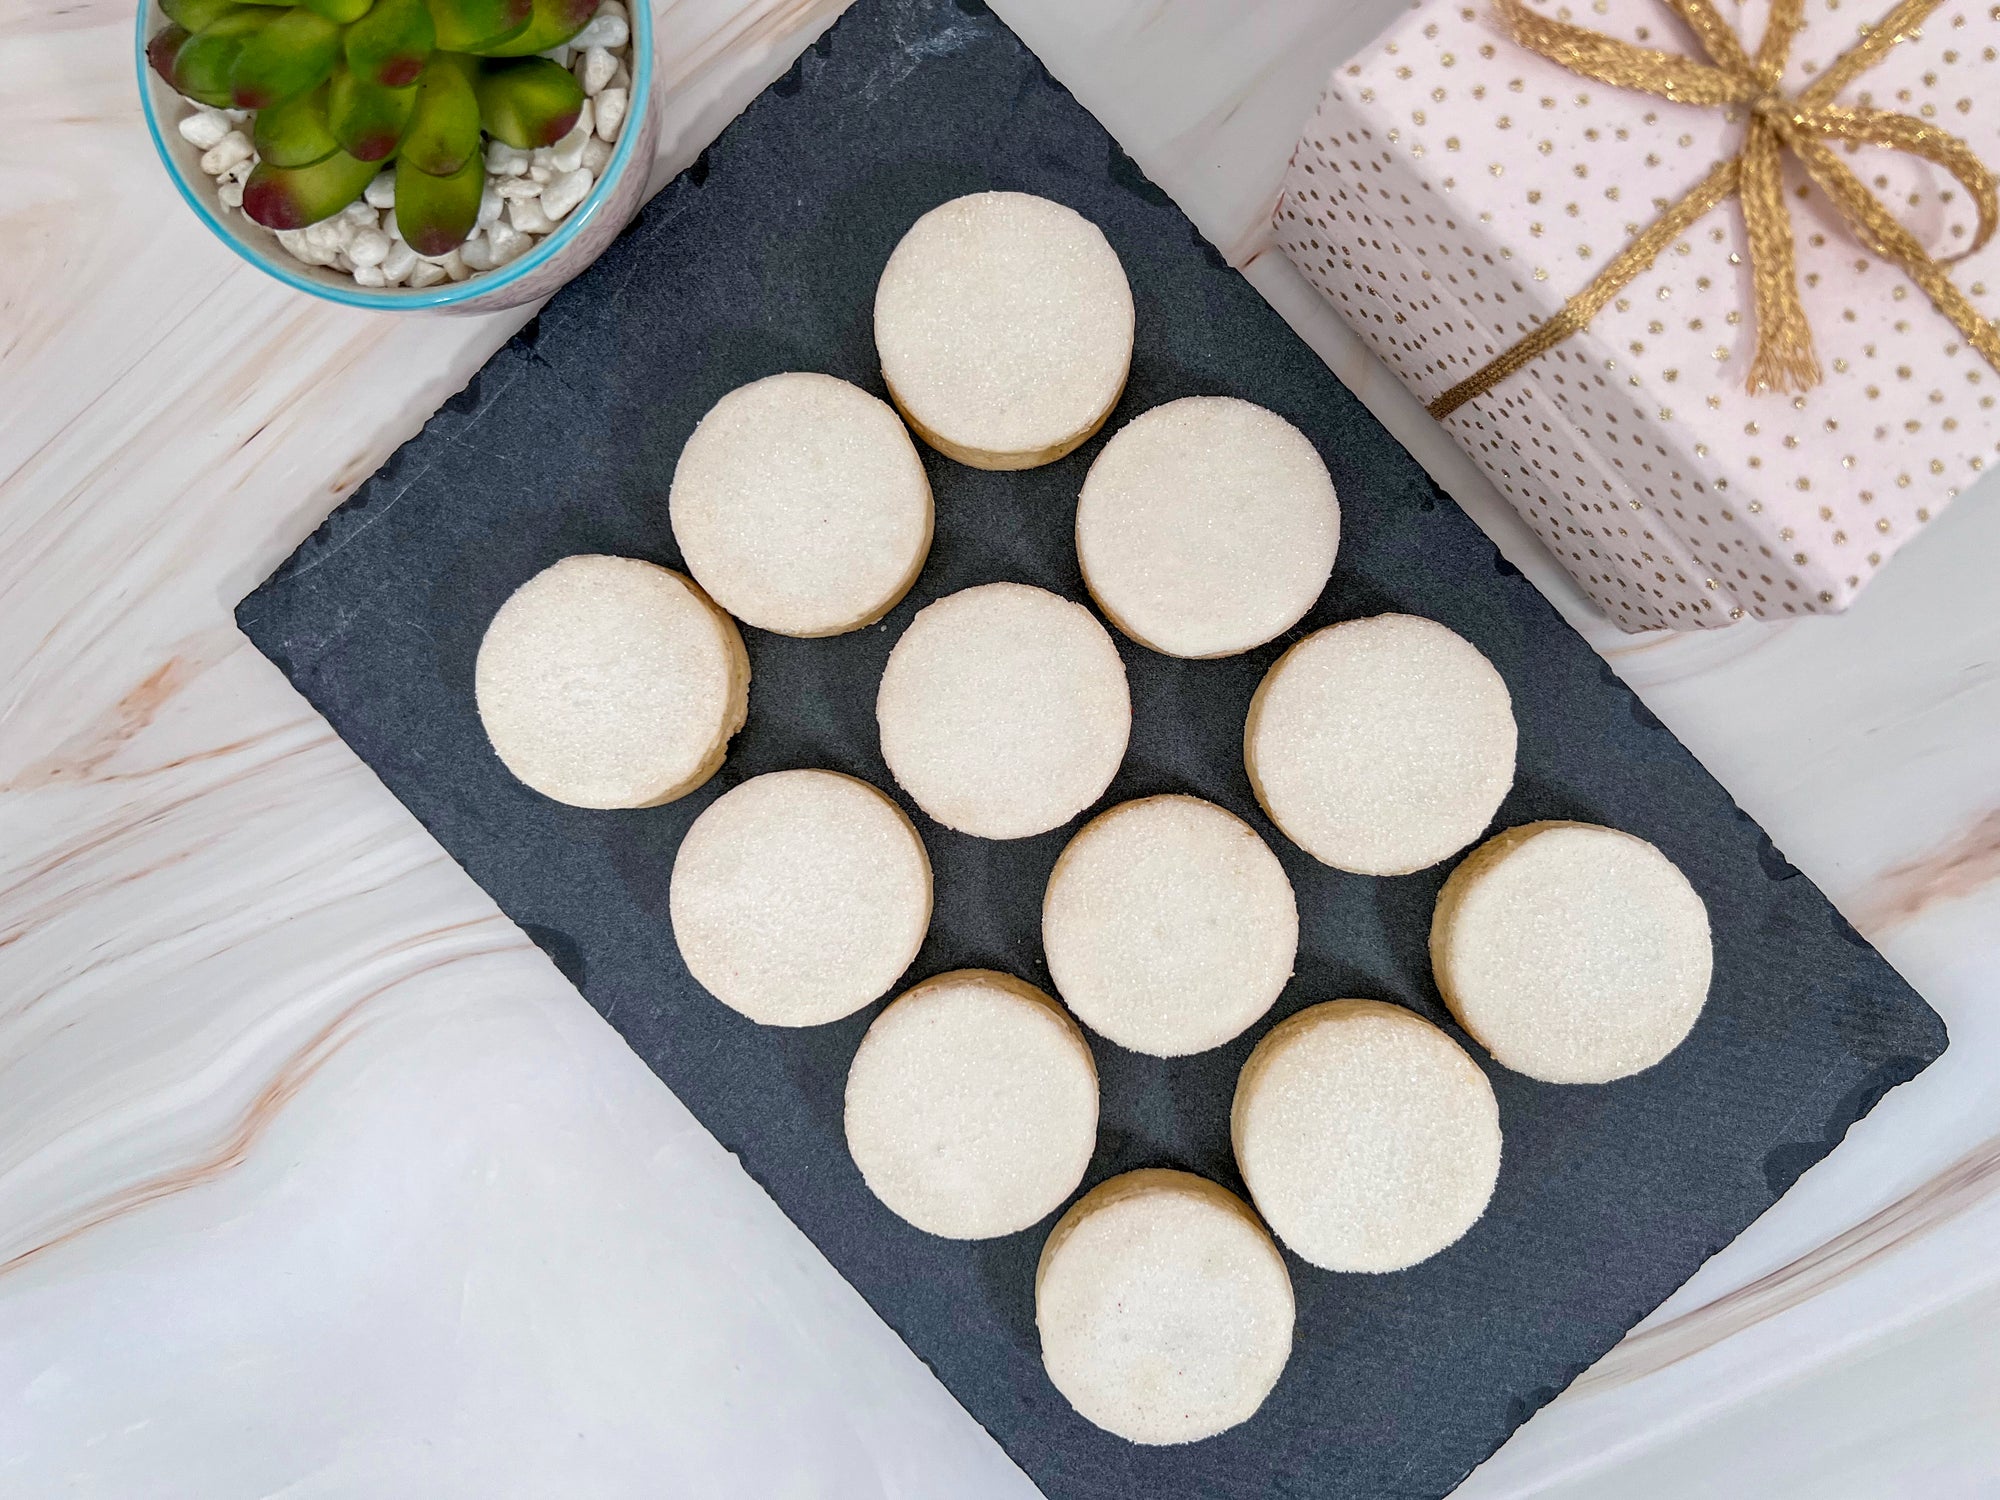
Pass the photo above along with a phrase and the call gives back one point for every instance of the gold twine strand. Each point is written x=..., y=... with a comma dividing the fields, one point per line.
x=1778, y=123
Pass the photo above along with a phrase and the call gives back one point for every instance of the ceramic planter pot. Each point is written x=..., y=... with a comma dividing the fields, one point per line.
x=553, y=260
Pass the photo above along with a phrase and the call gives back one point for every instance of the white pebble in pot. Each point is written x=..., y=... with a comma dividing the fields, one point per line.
x=563, y=194
x=595, y=71
x=605, y=31
x=226, y=153
x=507, y=242
x=526, y=215
x=399, y=262
x=368, y=248
x=567, y=154
x=611, y=106
x=205, y=128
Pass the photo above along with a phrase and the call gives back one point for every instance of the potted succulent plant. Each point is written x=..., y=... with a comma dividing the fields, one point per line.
x=406, y=152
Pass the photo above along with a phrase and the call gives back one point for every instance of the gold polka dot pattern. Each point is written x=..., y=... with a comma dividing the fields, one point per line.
x=1454, y=190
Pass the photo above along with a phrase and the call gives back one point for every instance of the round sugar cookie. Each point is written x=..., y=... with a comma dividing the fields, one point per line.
x=1207, y=526
x=1004, y=326
x=1368, y=1139
x=1168, y=925
x=1165, y=1310
x=1003, y=710
x=800, y=896
x=610, y=682
x=801, y=506
x=972, y=1105
x=1573, y=953
x=1381, y=746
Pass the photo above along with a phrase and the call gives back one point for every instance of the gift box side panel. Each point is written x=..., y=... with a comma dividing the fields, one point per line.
x=1621, y=522
x=1431, y=289
x=1374, y=237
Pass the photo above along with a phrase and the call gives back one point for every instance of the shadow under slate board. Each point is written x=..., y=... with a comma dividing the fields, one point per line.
x=763, y=257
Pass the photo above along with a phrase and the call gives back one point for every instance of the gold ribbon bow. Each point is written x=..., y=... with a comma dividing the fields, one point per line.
x=1777, y=123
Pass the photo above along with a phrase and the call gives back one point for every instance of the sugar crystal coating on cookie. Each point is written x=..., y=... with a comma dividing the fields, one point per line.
x=1368, y=1139
x=971, y=1105
x=1004, y=325
x=1207, y=526
x=800, y=896
x=1573, y=953
x=609, y=682
x=1165, y=1311
x=1169, y=927
x=1003, y=710
x=800, y=505
x=1382, y=745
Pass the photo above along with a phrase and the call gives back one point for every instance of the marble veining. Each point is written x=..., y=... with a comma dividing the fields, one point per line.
x=317, y=1180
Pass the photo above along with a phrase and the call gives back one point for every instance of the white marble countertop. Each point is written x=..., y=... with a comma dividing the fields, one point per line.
x=316, y=1179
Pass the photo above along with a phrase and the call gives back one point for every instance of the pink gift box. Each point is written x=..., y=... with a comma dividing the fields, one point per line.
x=1455, y=189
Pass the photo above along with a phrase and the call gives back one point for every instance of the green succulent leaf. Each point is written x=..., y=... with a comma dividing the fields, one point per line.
x=295, y=133
x=294, y=52
x=470, y=25
x=367, y=119
x=528, y=101
x=340, y=12
x=202, y=65
x=293, y=197
x=197, y=15
x=390, y=44
x=161, y=49
x=444, y=130
x=552, y=23
x=437, y=214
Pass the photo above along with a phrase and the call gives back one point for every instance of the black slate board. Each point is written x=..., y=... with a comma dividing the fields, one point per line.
x=763, y=257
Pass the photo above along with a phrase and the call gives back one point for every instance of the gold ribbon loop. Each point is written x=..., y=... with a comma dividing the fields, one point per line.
x=1622, y=64
x=1902, y=133
x=1717, y=37
x=1786, y=20
x=1785, y=359
x=1898, y=26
